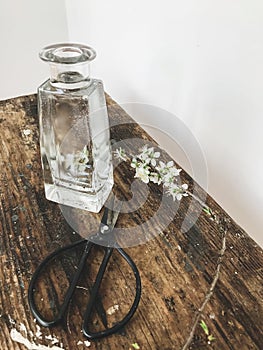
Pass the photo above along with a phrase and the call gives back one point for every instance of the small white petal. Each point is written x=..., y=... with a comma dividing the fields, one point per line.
x=145, y=179
x=153, y=162
x=179, y=196
x=134, y=163
x=143, y=156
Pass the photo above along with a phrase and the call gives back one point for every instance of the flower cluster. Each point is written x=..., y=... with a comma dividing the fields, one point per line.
x=149, y=169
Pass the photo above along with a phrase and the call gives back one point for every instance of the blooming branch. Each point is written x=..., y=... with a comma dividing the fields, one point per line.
x=148, y=170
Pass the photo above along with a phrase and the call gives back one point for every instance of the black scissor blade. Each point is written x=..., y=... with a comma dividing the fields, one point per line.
x=109, y=219
x=101, y=311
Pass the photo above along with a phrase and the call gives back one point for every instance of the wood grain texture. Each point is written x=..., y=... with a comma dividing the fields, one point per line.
x=211, y=272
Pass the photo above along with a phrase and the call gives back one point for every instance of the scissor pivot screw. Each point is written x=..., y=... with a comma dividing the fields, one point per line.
x=104, y=228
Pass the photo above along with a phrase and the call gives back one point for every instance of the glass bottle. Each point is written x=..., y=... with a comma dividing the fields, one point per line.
x=74, y=130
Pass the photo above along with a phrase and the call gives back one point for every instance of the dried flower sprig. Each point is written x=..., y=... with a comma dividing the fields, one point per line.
x=148, y=168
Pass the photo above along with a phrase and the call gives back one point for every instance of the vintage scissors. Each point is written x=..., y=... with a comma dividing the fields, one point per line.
x=106, y=227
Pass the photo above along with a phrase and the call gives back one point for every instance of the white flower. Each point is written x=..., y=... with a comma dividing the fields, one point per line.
x=168, y=172
x=167, y=180
x=173, y=190
x=120, y=154
x=155, y=178
x=142, y=173
x=177, y=192
x=164, y=168
x=142, y=170
x=148, y=155
x=145, y=152
x=174, y=171
x=161, y=167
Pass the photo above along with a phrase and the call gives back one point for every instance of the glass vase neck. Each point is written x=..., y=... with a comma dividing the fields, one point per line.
x=69, y=64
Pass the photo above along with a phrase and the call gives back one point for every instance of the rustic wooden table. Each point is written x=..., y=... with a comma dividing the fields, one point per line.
x=210, y=274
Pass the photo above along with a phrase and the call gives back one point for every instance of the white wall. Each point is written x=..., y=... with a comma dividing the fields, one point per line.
x=26, y=27
x=201, y=60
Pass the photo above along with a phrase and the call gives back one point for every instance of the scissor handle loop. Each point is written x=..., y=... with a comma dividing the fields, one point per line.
x=31, y=300
x=118, y=326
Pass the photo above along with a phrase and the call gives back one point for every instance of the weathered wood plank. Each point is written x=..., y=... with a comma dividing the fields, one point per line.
x=212, y=272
